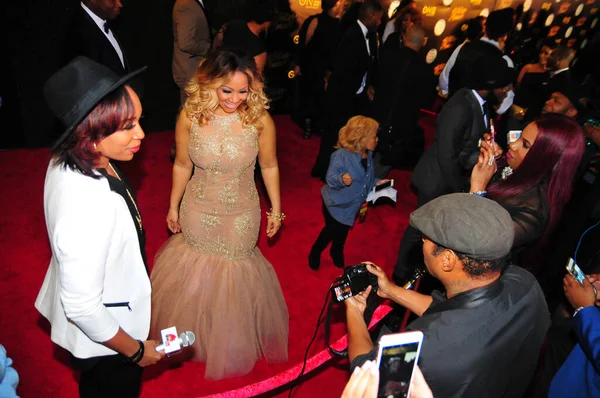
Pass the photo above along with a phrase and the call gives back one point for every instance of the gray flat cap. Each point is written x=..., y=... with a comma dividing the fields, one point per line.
x=469, y=224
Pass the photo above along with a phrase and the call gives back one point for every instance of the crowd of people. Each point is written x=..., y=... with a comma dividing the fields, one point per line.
x=513, y=155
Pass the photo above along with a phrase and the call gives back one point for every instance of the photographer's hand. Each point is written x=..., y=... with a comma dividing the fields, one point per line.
x=358, y=302
x=384, y=284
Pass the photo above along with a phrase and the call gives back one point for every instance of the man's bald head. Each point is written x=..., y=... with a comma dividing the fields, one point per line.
x=414, y=37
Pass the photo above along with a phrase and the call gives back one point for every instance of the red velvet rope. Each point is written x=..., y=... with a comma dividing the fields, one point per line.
x=313, y=362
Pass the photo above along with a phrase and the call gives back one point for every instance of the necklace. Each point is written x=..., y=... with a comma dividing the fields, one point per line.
x=138, y=216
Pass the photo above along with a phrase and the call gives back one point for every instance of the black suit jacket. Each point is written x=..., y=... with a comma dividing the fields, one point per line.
x=349, y=65
x=85, y=38
x=445, y=167
x=406, y=84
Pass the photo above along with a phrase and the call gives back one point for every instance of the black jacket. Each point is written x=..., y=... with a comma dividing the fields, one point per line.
x=85, y=38
x=349, y=65
x=446, y=166
x=462, y=71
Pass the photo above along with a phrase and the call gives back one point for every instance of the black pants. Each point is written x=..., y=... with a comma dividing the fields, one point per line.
x=335, y=232
x=107, y=377
x=410, y=254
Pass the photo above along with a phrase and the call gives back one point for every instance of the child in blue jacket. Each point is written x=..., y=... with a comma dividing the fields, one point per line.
x=350, y=178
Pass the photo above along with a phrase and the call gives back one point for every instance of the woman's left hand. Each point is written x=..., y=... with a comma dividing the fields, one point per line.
x=484, y=169
x=273, y=227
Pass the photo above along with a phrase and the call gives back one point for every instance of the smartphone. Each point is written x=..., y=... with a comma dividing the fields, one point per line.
x=387, y=184
x=575, y=271
x=397, y=357
x=593, y=122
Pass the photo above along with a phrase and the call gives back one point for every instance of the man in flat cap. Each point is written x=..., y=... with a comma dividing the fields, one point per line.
x=446, y=165
x=482, y=336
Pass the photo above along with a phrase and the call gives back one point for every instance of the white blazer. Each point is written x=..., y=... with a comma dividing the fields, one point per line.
x=96, y=260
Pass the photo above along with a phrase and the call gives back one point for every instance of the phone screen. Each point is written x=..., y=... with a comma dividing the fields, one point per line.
x=387, y=184
x=575, y=271
x=396, y=366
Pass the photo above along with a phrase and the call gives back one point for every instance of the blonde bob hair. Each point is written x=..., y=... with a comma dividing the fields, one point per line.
x=354, y=134
x=216, y=70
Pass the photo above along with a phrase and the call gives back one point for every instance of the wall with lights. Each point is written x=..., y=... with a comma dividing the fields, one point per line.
x=568, y=22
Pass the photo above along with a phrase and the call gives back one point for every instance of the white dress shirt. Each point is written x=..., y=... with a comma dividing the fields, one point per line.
x=364, y=31
x=111, y=38
x=481, y=102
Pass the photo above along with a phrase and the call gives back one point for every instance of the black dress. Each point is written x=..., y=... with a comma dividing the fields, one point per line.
x=530, y=89
x=314, y=59
x=237, y=35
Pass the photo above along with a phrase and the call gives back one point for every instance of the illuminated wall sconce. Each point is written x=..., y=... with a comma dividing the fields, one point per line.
x=594, y=23
x=527, y=5
x=447, y=2
x=431, y=56
x=578, y=10
x=568, y=32
x=583, y=43
x=485, y=12
x=291, y=74
x=392, y=8
x=519, y=26
x=549, y=20
x=439, y=27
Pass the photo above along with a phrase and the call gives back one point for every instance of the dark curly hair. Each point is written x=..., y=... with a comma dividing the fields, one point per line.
x=473, y=267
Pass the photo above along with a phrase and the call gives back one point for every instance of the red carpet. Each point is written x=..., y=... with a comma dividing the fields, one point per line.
x=44, y=368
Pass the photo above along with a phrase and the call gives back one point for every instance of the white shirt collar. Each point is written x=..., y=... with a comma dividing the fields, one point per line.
x=560, y=71
x=493, y=42
x=99, y=21
x=201, y=2
x=363, y=28
x=481, y=100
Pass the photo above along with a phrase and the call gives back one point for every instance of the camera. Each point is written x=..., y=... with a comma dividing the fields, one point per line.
x=356, y=278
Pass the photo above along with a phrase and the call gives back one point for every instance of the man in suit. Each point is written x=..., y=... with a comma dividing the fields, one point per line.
x=349, y=83
x=560, y=78
x=405, y=84
x=446, y=166
x=91, y=35
x=191, y=34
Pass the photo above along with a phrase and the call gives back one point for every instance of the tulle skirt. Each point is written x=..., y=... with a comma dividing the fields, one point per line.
x=235, y=307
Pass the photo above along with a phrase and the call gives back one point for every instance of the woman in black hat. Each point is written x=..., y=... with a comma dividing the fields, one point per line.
x=96, y=293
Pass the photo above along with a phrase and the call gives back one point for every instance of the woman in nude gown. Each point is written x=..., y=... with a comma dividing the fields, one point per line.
x=210, y=277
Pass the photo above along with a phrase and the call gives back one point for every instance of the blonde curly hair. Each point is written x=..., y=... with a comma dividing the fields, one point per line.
x=354, y=134
x=216, y=70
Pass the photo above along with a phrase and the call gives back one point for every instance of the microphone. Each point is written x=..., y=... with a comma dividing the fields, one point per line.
x=185, y=339
x=419, y=272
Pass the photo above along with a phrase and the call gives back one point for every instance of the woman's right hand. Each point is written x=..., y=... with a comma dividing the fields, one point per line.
x=151, y=356
x=484, y=169
x=173, y=221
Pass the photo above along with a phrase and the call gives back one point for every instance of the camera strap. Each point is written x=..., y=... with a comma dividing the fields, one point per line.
x=372, y=304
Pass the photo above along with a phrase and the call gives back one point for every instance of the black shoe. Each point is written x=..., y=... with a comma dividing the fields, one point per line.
x=314, y=260
x=338, y=258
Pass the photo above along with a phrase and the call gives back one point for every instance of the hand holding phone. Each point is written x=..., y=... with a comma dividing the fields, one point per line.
x=576, y=272
x=397, y=358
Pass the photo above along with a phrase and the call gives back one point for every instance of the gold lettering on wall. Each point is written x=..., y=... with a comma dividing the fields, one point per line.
x=310, y=3
x=476, y=3
x=457, y=14
x=504, y=4
x=546, y=6
x=429, y=11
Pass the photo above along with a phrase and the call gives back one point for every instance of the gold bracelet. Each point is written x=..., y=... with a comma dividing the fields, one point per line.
x=275, y=216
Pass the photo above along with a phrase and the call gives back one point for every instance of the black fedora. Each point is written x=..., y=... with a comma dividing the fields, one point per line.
x=75, y=90
x=489, y=72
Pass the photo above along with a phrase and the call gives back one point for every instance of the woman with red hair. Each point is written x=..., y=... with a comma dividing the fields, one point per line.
x=535, y=176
